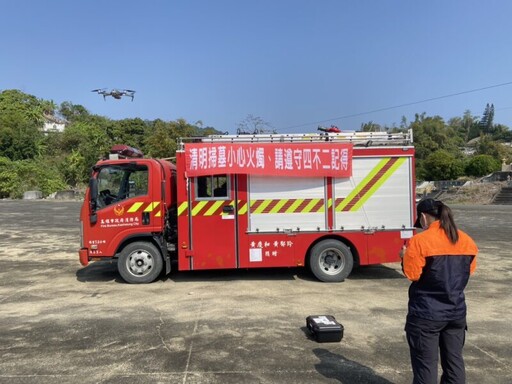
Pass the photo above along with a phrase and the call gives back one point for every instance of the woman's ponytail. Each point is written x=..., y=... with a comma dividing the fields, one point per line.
x=447, y=223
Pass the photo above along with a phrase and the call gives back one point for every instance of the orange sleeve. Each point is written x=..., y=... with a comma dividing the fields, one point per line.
x=473, y=266
x=475, y=252
x=470, y=248
x=413, y=262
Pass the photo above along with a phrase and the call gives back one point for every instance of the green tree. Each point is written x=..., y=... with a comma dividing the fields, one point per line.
x=8, y=177
x=443, y=165
x=486, y=123
x=73, y=112
x=84, y=143
x=371, y=127
x=482, y=165
x=502, y=132
x=74, y=168
x=210, y=131
x=21, y=122
x=464, y=126
x=432, y=134
x=127, y=131
x=487, y=146
x=160, y=143
x=28, y=107
x=49, y=107
x=17, y=177
x=40, y=175
x=162, y=137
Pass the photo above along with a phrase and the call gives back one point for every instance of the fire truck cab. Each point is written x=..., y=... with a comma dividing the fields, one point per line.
x=328, y=201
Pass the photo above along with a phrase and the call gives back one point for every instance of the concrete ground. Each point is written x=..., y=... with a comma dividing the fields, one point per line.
x=61, y=323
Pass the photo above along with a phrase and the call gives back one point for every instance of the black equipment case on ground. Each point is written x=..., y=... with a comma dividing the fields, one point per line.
x=325, y=328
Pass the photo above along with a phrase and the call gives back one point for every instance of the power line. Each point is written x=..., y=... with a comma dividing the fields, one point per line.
x=501, y=109
x=399, y=106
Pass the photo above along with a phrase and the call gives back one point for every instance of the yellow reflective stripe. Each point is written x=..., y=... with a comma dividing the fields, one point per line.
x=378, y=184
x=182, y=208
x=213, y=208
x=278, y=206
x=329, y=202
x=310, y=205
x=262, y=206
x=135, y=207
x=243, y=209
x=152, y=206
x=362, y=184
x=198, y=207
x=158, y=214
x=294, y=206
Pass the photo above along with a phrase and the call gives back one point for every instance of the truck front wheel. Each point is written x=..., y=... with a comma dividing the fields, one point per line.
x=331, y=261
x=140, y=263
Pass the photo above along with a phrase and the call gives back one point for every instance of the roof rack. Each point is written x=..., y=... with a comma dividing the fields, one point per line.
x=366, y=139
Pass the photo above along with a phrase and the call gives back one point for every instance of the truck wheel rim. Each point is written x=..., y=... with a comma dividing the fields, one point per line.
x=332, y=261
x=139, y=263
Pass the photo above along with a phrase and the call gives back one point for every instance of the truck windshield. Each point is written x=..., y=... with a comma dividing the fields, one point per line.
x=121, y=182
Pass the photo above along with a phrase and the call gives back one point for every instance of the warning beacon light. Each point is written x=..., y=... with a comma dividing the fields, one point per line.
x=122, y=151
x=331, y=129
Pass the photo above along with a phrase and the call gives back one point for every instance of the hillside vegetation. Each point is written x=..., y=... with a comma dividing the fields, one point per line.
x=31, y=159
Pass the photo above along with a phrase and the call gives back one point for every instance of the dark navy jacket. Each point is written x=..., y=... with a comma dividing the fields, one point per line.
x=439, y=271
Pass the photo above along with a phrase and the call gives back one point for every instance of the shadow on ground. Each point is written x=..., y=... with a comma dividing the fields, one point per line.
x=375, y=272
x=336, y=366
x=99, y=271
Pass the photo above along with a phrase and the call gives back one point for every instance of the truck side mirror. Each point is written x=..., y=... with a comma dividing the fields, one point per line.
x=93, y=199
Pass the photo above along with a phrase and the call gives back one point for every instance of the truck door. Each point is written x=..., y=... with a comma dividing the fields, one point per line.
x=212, y=219
x=127, y=203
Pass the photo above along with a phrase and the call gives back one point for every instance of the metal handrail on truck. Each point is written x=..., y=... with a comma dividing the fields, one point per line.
x=365, y=139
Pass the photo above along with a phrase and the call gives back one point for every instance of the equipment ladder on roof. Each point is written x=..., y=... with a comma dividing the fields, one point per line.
x=368, y=139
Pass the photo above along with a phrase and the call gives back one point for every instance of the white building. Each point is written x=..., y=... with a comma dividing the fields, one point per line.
x=53, y=123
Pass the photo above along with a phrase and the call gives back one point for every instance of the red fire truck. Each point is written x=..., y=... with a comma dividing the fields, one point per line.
x=329, y=201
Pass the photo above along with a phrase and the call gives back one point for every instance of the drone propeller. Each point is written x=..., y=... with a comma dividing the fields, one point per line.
x=98, y=90
x=130, y=90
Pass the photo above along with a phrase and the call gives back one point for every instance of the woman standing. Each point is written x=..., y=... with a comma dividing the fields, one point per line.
x=438, y=261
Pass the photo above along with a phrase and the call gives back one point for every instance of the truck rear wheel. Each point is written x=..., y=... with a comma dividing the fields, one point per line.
x=139, y=263
x=331, y=261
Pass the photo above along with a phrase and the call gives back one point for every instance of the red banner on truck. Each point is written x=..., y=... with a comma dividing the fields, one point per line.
x=275, y=159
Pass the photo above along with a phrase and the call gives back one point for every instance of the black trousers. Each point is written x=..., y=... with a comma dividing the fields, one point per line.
x=429, y=339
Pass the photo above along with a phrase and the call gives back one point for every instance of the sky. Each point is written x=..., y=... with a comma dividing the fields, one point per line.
x=296, y=64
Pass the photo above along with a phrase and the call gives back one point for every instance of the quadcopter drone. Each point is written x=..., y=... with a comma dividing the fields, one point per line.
x=115, y=93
